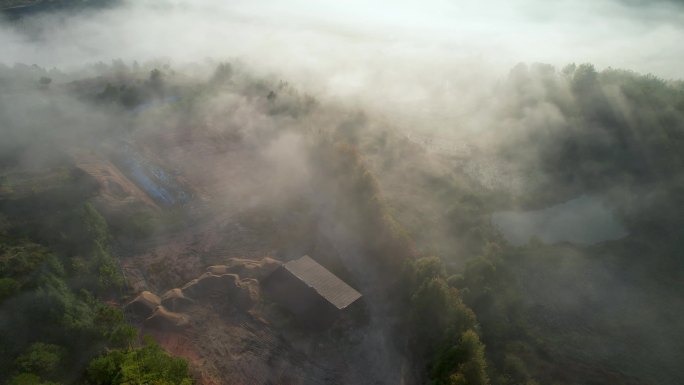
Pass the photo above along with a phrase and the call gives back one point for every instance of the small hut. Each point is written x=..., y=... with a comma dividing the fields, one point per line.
x=311, y=292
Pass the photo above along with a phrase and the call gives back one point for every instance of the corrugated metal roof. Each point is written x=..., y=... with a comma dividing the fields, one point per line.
x=323, y=281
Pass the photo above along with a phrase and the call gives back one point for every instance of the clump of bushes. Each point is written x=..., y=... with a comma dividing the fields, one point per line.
x=443, y=329
x=149, y=364
x=56, y=270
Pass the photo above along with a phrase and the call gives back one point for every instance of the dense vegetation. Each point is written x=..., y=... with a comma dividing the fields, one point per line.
x=565, y=314
x=476, y=309
x=56, y=279
x=622, y=138
x=549, y=313
x=145, y=365
x=442, y=330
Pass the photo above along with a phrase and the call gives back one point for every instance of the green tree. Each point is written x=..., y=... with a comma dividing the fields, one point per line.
x=41, y=359
x=111, y=325
x=29, y=379
x=474, y=367
x=463, y=363
x=8, y=287
x=146, y=365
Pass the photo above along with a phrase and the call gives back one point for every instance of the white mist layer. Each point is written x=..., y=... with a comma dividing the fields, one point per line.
x=426, y=61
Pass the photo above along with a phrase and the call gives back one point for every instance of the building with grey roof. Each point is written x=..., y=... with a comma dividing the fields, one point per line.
x=310, y=291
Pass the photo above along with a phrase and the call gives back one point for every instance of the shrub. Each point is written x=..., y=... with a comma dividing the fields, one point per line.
x=8, y=287
x=146, y=365
x=41, y=358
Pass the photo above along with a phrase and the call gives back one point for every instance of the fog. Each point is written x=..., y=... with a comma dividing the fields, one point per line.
x=426, y=59
x=362, y=133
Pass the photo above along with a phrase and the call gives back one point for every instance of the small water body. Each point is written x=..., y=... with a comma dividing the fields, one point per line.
x=584, y=220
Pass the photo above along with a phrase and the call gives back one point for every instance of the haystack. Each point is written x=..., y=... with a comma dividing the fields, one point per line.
x=143, y=305
x=167, y=320
x=249, y=293
x=175, y=300
x=210, y=285
x=246, y=268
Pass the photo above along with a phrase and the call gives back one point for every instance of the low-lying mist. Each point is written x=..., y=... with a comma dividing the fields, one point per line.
x=372, y=137
x=427, y=64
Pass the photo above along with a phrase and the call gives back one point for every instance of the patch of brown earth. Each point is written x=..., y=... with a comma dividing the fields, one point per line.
x=179, y=344
x=115, y=188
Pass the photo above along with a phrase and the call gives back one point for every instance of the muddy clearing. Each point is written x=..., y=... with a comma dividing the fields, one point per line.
x=262, y=345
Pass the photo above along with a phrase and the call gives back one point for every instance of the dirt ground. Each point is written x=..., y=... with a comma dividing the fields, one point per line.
x=262, y=345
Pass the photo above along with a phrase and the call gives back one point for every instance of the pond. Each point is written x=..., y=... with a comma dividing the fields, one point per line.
x=584, y=220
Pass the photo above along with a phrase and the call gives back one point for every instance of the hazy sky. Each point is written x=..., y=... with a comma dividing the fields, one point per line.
x=422, y=54
x=646, y=38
